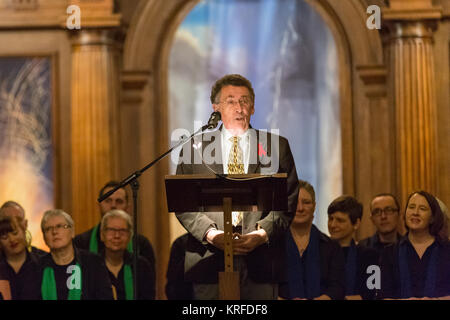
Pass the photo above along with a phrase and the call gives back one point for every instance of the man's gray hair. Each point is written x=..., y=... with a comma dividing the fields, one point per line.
x=9, y=204
x=117, y=214
x=56, y=213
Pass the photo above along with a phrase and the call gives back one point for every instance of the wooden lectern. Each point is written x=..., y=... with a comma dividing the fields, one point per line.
x=210, y=193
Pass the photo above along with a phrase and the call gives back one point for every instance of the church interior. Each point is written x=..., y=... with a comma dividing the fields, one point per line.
x=92, y=90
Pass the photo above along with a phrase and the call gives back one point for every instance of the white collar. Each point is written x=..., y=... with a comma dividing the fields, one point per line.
x=227, y=134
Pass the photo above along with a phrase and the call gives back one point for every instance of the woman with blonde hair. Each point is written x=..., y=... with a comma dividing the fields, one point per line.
x=14, y=209
x=18, y=266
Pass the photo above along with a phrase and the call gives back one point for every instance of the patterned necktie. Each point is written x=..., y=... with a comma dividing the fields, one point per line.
x=235, y=159
x=236, y=166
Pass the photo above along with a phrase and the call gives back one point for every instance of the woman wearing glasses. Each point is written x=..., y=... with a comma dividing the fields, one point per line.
x=417, y=266
x=69, y=273
x=19, y=271
x=116, y=231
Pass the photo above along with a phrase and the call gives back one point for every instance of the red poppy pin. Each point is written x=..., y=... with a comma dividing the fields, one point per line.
x=261, y=150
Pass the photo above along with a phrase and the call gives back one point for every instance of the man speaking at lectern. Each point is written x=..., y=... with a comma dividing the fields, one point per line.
x=236, y=148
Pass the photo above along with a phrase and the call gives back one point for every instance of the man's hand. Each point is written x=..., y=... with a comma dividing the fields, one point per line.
x=323, y=297
x=353, y=297
x=216, y=238
x=243, y=244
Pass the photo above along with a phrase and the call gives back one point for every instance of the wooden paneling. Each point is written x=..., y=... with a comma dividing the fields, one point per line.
x=413, y=88
x=376, y=126
x=442, y=71
x=94, y=121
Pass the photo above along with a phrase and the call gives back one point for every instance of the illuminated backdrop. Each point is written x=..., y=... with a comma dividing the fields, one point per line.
x=26, y=161
x=286, y=50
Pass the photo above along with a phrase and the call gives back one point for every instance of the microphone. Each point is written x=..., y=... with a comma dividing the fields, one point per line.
x=214, y=120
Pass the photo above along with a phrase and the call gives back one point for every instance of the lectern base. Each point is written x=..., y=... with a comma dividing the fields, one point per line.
x=229, y=288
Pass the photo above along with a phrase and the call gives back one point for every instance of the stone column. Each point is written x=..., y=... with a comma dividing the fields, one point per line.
x=409, y=43
x=94, y=120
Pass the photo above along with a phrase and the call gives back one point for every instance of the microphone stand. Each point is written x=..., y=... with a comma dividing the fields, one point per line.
x=133, y=181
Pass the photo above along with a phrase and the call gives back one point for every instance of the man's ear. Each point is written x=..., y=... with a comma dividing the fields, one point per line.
x=216, y=107
x=100, y=210
x=357, y=224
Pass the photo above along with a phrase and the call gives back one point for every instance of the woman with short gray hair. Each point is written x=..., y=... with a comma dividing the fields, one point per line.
x=69, y=273
x=56, y=212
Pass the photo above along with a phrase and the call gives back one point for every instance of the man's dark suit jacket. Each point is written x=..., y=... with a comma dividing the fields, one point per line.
x=176, y=287
x=266, y=263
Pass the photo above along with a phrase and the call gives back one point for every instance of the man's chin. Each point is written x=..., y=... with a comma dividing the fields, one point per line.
x=58, y=245
x=116, y=248
x=301, y=222
x=238, y=127
x=386, y=231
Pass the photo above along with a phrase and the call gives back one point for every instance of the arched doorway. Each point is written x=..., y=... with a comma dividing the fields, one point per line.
x=145, y=98
x=290, y=55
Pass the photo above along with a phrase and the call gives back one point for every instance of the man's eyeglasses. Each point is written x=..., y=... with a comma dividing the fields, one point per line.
x=387, y=211
x=121, y=232
x=57, y=228
x=243, y=102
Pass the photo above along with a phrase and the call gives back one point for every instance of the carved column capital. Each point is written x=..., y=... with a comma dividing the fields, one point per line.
x=112, y=37
x=411, y=10
x=410, y=19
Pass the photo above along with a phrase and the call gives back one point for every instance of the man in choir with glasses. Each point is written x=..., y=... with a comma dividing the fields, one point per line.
x=385, y=216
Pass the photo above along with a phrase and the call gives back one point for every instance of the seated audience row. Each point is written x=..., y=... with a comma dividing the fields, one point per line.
x=414, y=266
x=98, y=264
x=101, y=270
x=386, y=265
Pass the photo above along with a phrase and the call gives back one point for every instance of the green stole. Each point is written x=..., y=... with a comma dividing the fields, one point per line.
x=128, y=280
x=48, y=288
x=93, y=243
x=127, y=273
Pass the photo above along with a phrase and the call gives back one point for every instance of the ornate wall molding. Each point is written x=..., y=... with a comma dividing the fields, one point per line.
x=26, y=14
